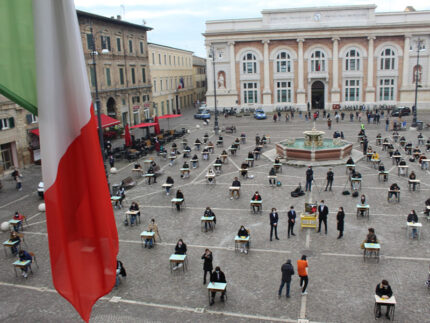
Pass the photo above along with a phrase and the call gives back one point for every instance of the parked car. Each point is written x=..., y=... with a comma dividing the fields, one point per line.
x=401, y=111
x=202, y=114
x=259, y=114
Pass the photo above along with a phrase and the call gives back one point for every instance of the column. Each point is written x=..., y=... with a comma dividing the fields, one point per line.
x=428, y=71
x=210, y=76
x=266, y=90
x=405, y=73
x=370, y=90
x=233, y=84
x=335, y=92
x=301, y=98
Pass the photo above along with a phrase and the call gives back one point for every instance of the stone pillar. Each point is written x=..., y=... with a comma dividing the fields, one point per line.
x=406, y=82
x=301, y=98
x=266, y=90
x=335, y=91
x=370, y=90
x=232, y=68
x=210, y=75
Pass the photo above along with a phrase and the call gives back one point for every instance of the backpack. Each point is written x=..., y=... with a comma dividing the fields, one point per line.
x=279, y=183
x=345, y=193
x=355, y=194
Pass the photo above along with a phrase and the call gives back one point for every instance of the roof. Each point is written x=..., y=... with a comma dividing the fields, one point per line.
x=170, y=47
x=85, y=14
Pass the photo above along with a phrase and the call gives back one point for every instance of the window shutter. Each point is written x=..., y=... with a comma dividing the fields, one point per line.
x=11, y=123
x=1, y=124
x=28, y=118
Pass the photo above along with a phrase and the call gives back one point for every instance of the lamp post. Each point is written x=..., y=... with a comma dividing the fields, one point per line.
x=416, y=76
x=97, y=107
x=216, y=126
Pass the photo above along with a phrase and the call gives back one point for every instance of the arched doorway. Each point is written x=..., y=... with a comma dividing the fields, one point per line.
x=111, y=107
x=318, y=95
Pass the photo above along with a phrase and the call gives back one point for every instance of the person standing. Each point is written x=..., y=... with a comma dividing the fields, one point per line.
x=274, y=219
x=330, y=177
x=207, y=264
x=309, y=178
x=302, y=270
x=413, y=218
x=291, y=221
x=365, y=144
x=217, y=277
x=340, y=221
x=322, y=216
x=111, y=161
x=287, y=270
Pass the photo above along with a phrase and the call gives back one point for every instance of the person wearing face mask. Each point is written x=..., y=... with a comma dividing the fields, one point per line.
x=322, y=216
x=243, y=233
x=207, y=264
x=217, y=277
x=383, y=290
x=291, y=220
x=274, y=219
x=180, y=249
x=340, y=221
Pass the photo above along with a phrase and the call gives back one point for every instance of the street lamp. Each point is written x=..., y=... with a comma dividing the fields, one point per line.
x=212, y=54
x=93, y=54
x=416, y=76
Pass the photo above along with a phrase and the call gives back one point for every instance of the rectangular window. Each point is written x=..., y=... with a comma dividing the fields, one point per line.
x=161, y=85
x=386, y=90
x=167, y=106
x=162, y=108
x=93, y=75
x=118, y=44
x=108, y=80
x=159, y=59
x=34, y=118
x=153, y=58
x=283, y=91
x=130, y=46
x=165, y=59
x=4, y=124
x=121, y=76
x=352, y=90
x=170, y=60
x=250, y=92
x=174, y=60
x=141, y=47
x=136, y=117
x=143, y=75
x=133, y=76
x=155, y=86
x=90, y=41
x=105, y=42
x=167, y=84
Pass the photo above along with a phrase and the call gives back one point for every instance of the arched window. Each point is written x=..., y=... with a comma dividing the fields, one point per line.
x=417, y=73
x=249, y=63
x=283, y=62
x=318, y=61
x=352, y=62
x=388, y=59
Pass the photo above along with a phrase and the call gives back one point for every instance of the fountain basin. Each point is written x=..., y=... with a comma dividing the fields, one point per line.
x=329, y=150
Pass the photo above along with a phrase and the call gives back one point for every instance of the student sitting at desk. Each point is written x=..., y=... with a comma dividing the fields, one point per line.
x=172, y=157
x=151, y=171
x=277, y=160
x=24, y=256
x=413, y=218
x=152, y=227
x=18, y=217
x=383, y=290
x=397, y=155
x=235, y=183
x=211, y=173
x=218, y=162
x=256, y=197
x=211, y=146
x=205, y=153
x=257, y=152
x=137, y=166
x=220, y=138
x=194, y=161
x=121, y=194
x=180, y=249
x=408, y=148
x=420, y=139
x=14, y=237
x=369, y=153
x=375, y=156
x=244, y=170
x=412, y=176
x=243, y=138
x=272, y=172
x=251, y=156
x=205, y=138
x=217, y=277
x=350, y=161
x=416, y=152
x=224, y=155
x=187, y=150
x=174, y=146
x=394, y=191
x=237, y=141
x=185, y=174
x=371, y=236
x=257, y=140
x=264, y=139
x=179, y=195
x=243, y=233
x=169, y=180
x=428, y=144
x=209, y=213
x=402, y=162
x=197, y=143
x=134, y=207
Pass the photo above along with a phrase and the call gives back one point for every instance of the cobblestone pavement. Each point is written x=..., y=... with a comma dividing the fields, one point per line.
x=341, y=284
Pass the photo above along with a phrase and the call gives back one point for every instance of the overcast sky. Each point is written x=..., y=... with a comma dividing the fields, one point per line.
x=180, y=23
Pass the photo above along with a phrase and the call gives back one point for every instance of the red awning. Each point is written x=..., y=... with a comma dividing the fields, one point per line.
x=108, y=121
x=144, y=125
x=35, y=131
x=168, y=116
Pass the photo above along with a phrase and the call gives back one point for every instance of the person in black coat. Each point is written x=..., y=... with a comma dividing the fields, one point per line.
x=272, y=172
x=322, y=216
x=309, y=178
x=383, y=290
x=207, y=264
x=217, y=277
x=120, y=270
x=330, y=177
x=179, y=195
x=274, y=219
x=287, y=270
x=291, y=221
x=180, y=249
x=340, y=221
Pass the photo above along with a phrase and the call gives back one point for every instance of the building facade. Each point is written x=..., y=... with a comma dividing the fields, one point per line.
x=320, y=57
x=199, y=80
x=172, y=78
x=122, y=69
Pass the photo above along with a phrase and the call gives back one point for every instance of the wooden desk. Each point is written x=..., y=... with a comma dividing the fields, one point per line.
x=177, y=201
x=234, y=189
x=147, y=235
x=241, y=240
x=196, y=161
x=363, y=209
x=398, y=195
x=209, y=176
x=278, y=167
x=258, y=204
x=425, y=164
x=411, y=183
x=250, y=162
x=205, y=155
x=224, y=159
x=378, y=141
x=356, y=181
x=405, y=167
x=175, y=260
x=308, y=220
x=185, y=171
x=138, y=171
x=390, y=302
x=383, y=175
x=9, y=244
x=207, y=220
x=147, y=163
x=412, y=225
x=349, y=167
x=371, y=249
x=218, y=168
x=22, y=264
x=216, y=287
x=166, y=185
x=375, y=163
x=272, y=177
x=13, y=223
x=232, y=150
x=127, y=213
x=385, y=145
x=396, y=159
x=220, y=143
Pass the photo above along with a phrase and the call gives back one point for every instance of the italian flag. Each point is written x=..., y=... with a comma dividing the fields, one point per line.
x=42, y=68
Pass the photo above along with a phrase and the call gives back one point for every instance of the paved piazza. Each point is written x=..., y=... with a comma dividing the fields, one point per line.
x=341, y=284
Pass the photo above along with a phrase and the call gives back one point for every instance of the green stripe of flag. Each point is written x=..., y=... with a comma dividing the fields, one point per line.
x=17, y=54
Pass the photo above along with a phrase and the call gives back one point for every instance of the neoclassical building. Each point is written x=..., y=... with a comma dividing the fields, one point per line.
x=321, y=57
